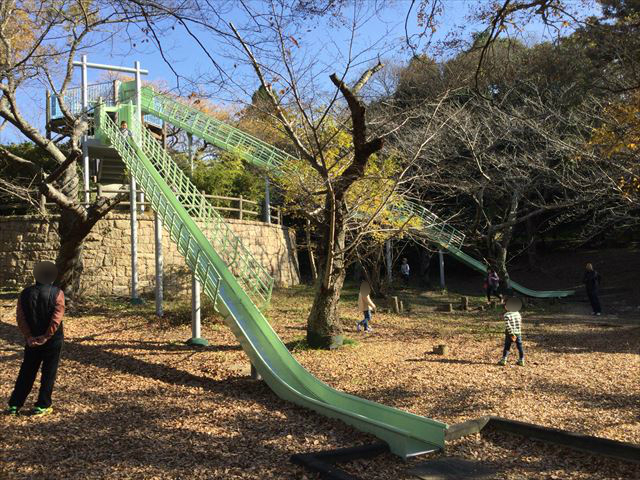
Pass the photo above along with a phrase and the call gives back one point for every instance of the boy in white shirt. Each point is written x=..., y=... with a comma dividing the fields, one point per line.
x=513, y=330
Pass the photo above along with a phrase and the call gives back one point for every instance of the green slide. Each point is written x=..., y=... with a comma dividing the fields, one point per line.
x=238, y=286
x=263, y=155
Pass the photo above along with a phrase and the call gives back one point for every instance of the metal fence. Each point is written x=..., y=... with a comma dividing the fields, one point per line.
x=229, y=207
x=72, y=99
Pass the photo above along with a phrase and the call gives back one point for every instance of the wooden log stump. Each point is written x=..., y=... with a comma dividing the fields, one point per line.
x=464, y=302
x=395, y=305
x=441, y=349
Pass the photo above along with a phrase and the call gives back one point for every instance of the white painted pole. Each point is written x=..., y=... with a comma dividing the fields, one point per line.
x=158, y=238
x=134, y=240
x=195, y=284
x=267, y=200
x=132, y=200
x=195, y=307
x=159, y=264
x=85, y=147
x=190, y=149
x=139, y=112
x=441, y=262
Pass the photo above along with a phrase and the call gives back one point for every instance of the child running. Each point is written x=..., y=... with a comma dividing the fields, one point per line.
x=513, y=330
x=365, y=305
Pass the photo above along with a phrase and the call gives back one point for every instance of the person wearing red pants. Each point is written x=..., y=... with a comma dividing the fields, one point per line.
x=39, y=316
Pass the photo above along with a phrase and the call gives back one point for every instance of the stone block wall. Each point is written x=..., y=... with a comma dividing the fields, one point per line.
x=25, y=240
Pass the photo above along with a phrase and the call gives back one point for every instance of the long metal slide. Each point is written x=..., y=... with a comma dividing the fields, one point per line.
x=239, y=287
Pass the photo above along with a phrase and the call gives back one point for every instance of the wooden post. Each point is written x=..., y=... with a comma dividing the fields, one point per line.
x=441, y=261
x=395, y=305
x=240, y=204
x=464, y=301
x=387, y=246
x=99, y=190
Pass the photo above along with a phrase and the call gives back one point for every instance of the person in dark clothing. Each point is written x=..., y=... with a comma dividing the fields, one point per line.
x=492, y=284
x=39, y=316
x=592, y=280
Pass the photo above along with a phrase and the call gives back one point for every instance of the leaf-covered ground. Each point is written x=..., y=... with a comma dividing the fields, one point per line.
x=133, y=401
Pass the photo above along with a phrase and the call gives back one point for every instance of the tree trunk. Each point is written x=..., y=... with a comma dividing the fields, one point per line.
x=69, y=260
x=425, y=262
x=72, y=233
x=324, y=329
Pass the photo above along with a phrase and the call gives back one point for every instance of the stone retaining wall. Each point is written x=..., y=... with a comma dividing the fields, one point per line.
x=25, y=240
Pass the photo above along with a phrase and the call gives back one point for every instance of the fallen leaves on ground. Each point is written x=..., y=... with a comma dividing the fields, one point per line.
x=133, y=401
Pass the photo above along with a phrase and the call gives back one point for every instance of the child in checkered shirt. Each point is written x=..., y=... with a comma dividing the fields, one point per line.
x=513, y=330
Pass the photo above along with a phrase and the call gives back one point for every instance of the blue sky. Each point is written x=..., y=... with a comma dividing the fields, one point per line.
x=322, y=42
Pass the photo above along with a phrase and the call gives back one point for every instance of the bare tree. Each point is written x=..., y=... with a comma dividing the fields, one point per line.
x=39, y=41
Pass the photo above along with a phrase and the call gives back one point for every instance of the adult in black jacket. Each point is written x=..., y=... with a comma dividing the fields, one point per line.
x=592, y=280
x=39, y=316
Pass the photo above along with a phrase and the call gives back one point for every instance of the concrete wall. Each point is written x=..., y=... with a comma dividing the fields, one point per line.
x=25, y=240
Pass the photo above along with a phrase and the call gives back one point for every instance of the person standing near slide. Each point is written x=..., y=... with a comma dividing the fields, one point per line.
x=592, y=280
x=39, y=316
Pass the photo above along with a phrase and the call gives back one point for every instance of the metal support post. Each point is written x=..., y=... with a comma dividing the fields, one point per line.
x=195, y=339
x=134, y=242
x=196, y=331
x=267, y=201
x=441, y=263
x=85, y=147
x=159, y=264
x=190, y=150
x=139, y=112
x=158, y=250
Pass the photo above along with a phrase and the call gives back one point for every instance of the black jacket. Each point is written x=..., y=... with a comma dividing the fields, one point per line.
x=38, y=303
x=591, y=280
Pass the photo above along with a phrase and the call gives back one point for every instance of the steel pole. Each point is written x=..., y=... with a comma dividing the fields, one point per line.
x=159, y=264
x=196, y=329
x=85, y=147
x=267, y=200
x=134, y=240
x=139, y=112
x=158, y=238
x=441, y=262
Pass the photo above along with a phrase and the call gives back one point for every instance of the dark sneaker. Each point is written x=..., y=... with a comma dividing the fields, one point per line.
x=520, y=362
x=41, y=412
x=503, y=361
x=12, y=411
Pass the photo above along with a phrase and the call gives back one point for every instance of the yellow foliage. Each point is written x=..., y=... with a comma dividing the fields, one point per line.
x=620, y=136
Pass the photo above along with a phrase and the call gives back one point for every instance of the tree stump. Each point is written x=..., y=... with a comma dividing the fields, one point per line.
x=450, y=307
x=395, y=305
x=441, y=349
x=464, y=301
